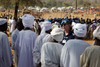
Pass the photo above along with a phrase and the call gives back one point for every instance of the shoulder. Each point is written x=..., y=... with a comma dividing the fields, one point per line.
x=16, y=31
x=92, y=48
x=3, y=35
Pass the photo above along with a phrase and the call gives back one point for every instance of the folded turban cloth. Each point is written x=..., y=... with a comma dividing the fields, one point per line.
x=45, y=26
x=57, y=34
x=3, y=21
x=96, y=33
x=80, y=30
x=28, y=20
x=73, y=24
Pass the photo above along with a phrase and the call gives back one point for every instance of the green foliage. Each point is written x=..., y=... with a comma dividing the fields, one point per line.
x=66, y=4
x=22, y=3
x=86, y=4
x=52, y=3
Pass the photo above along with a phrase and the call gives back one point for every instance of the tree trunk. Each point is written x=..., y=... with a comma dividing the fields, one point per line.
x=16, y=11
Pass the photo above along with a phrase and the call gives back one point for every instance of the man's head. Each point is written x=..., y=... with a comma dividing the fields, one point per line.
x=96, y=35
x=65, y=25
x=3, y=25
x=46, y=27
x=19, y=25
x=80, y=30
x=27, y=21
x=57, y=34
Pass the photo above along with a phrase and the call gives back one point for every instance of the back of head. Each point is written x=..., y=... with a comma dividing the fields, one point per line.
x=19, y=25
x=28, y=21
x=80, y=30
x=46, y=26
x=3, y=25
x=57, y=34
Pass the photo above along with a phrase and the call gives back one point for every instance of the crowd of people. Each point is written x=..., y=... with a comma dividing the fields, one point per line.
x=57, y=42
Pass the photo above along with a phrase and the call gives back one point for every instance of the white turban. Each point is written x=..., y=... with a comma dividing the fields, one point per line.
x=45, y=26
x=57, y=34
x=80, y=30
x=73, y=24
x=96, y=32
x=2, y=21
x=28, y=20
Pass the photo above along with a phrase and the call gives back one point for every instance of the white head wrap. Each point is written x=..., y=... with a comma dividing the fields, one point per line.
x=45, y=26
x=28, y=20
x=57, y=34
x=96, y=32
x=2, y=21
x=80, y=30
x=73, y=24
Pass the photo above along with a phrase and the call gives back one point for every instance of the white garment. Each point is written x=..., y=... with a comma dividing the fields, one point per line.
x=57, y=34
x=13, y=24
x=5, y=51
x=71, y=52
x=37, y=48
x=47, y=38
x=13, y=41
x=28, y=20
x=96, y=32
x=80, y=30
x=24, y=45
x=45, y=26
x=50, y=54
x=14, y=37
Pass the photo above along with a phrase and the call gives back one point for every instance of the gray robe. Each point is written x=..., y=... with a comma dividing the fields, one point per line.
x=5, y=51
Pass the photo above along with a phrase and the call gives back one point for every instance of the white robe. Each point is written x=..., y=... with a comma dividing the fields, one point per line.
x=13, y=41
x=37, y=48
x=71, y=52
x=13, y=24
x=24, y=45
x=50, y=54
x=14, y=37
x=5, y=51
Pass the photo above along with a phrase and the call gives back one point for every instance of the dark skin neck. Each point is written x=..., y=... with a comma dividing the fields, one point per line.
x=97, y=42
x=27, y=28
x=48, y=31
x=79, y=37
x=55, y=41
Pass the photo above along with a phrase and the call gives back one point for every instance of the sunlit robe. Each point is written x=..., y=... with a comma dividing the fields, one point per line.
x=71, y=52
x=24, y=45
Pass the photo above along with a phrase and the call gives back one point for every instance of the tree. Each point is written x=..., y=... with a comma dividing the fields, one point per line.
x=17, y=3
x=86, y=4
x=66, y=4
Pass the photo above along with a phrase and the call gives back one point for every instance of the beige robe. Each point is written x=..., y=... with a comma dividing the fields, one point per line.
x=91, y=57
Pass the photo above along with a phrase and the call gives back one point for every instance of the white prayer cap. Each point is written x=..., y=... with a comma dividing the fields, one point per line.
x=45, y=26
x=57, y=34
x=80, y=30
x=3, y=21
x=28, y=20
x=96, y=32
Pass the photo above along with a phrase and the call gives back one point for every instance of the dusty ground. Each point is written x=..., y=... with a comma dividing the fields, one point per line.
x=63, y=14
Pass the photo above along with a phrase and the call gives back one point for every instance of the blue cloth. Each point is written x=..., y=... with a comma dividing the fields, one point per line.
x=67, y=37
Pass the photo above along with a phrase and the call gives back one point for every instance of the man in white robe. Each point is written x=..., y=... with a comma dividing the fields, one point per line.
x=71, y=52
x=46, y=29
x=14, y=35
x=51, y=51
x=25, y=42
x=5, y=50
x=91, y=56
